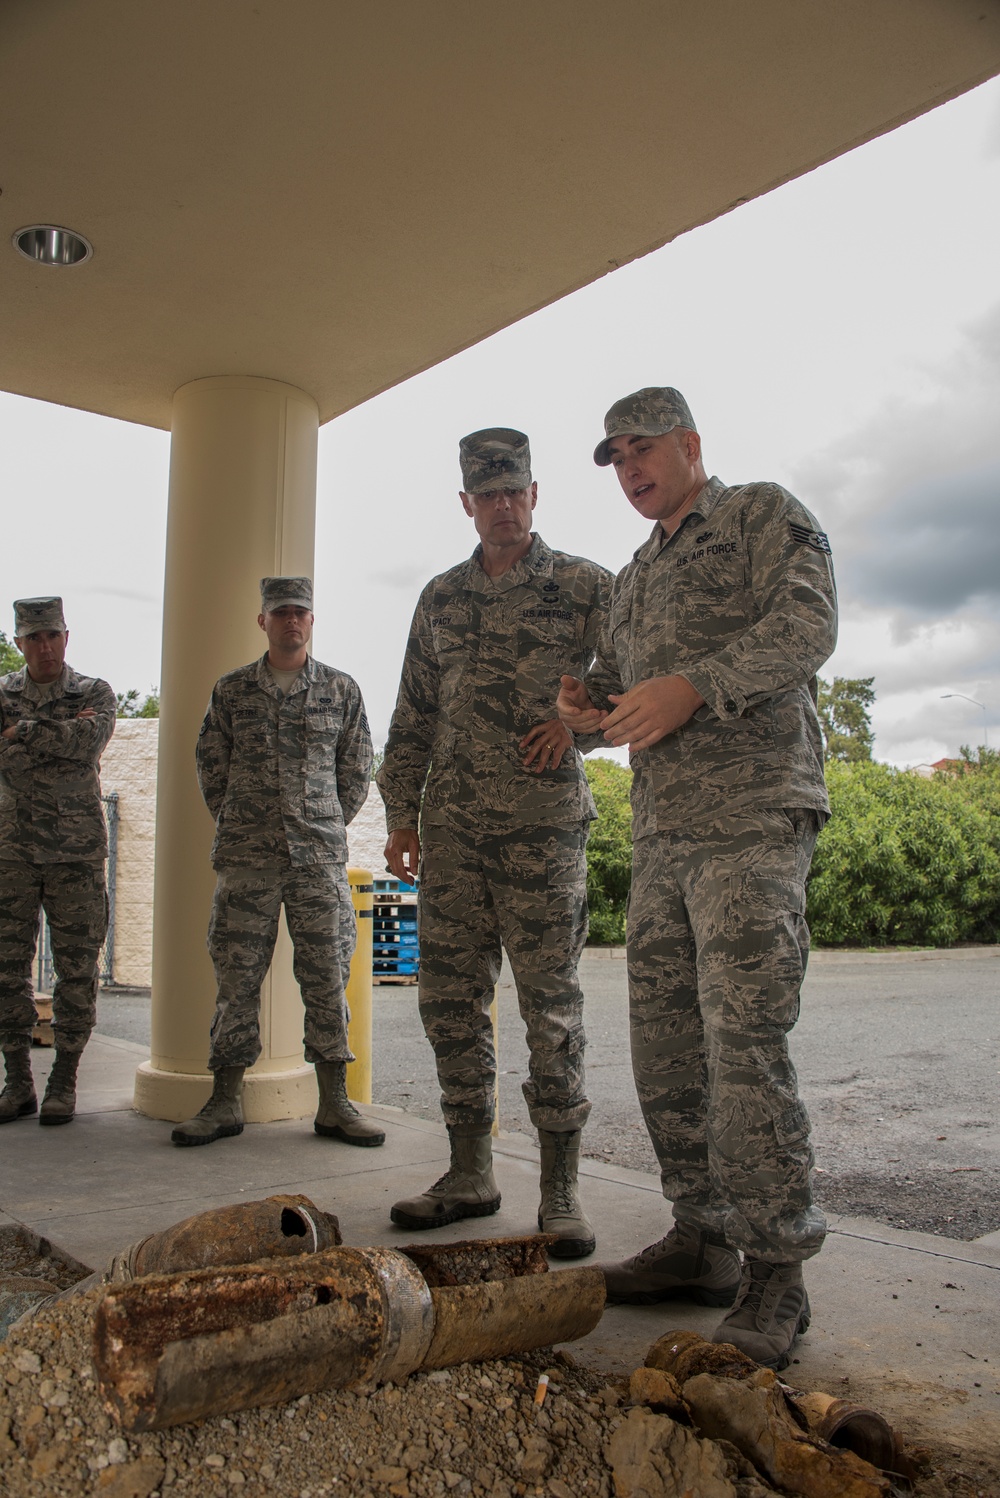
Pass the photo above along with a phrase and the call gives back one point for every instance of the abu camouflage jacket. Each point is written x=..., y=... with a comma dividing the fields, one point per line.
x=482, y=667
x=283, y=776
x=50, y=789
x=741, y=601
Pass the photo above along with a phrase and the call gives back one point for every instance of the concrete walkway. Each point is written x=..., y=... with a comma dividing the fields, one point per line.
x=908, y=1322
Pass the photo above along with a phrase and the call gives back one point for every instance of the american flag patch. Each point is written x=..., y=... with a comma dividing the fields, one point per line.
x=802, y=536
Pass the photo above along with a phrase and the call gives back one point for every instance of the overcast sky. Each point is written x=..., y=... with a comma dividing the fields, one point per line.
x=840, y=335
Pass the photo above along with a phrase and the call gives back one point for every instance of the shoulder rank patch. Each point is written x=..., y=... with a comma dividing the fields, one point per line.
x=802, y=536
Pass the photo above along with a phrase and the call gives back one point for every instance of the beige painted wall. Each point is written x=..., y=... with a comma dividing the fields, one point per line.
x=129, y=767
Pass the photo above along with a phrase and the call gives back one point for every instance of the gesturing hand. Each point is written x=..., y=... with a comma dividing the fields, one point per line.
x=650, y=710
x=575, y=707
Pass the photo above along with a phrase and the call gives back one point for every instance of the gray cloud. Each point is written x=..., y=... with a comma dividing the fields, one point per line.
x=912, y=499
x=933, y=548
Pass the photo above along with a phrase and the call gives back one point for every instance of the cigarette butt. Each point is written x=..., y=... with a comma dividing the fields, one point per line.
x=541, y=1388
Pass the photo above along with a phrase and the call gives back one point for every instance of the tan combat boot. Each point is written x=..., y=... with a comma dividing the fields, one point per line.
x=560, y=1211
x=771, y=1312
x=18, y=1098
x=221, y=1116
x=467, y=1189
x=688, y=1264
x=59, y=1102
x=337, y=1117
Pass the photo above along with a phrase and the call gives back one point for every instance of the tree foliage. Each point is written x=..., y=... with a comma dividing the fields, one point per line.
x=907, y=860
x=609, y=851
x=130, y=705
x=903, y=860
x=845, y=719
x=11, y=658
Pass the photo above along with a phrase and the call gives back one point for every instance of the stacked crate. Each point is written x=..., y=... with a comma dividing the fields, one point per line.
x=395, y=954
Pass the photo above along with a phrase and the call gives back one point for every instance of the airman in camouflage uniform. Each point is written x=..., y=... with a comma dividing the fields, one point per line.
x=503, y=828
x=54, y=725
x=284, y=763
x=707, y=670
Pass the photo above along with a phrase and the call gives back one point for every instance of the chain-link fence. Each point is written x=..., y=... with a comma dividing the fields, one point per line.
x=44, y=973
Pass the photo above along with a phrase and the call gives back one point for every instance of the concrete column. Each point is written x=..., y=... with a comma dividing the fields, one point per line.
x=242, y=505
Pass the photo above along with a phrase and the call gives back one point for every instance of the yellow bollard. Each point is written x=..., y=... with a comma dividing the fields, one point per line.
x=495, y=1017
x=359, y=989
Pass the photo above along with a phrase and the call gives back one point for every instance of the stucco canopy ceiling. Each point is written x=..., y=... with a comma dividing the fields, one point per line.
x=341, y=194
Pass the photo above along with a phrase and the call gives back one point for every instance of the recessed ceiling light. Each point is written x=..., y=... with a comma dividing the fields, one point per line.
x=49, y=245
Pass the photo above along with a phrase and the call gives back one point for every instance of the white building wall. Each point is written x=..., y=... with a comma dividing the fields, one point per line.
x=367, y=834
x=128, y=766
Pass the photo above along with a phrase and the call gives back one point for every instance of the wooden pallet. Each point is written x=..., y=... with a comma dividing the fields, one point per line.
x=42, y=1033
x=405, y=978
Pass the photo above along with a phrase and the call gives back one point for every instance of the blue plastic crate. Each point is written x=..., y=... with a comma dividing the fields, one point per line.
x=393, y=887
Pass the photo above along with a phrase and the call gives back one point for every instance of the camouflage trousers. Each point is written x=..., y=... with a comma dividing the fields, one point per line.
x=525, y=891
x=75, y=901
x=717, y=948
x=242, y=932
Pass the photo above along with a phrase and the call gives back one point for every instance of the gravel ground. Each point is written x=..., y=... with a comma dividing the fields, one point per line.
x=472, y=1431
x=469, y=1430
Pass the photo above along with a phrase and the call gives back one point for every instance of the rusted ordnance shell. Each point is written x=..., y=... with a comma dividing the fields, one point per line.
x=502, y=1317
x=174, y=1348
x=851, y=1427
x=278, y=1227
x=854, y=1427
x=753, y=1414
x=685, y=1354
x=473, y=1260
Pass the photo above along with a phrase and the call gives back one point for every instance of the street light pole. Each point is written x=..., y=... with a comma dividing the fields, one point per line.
x=986, y=732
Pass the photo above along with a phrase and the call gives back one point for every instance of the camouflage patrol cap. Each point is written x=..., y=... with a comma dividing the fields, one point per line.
x=495, y=458
x=282, y=592
x=647, y=413
x=34, y=614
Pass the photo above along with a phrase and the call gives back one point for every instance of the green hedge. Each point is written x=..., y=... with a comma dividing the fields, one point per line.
x=903, y=860
x=609, y=851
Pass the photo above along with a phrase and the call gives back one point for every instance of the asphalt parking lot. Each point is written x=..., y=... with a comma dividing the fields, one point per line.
x=897, y=1054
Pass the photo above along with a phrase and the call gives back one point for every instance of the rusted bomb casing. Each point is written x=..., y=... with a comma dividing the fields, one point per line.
x=685, y=1354
x=471, y=1261
x=854, y=1427
x=277, y=1227
x=174, y=1348
x=850, y=1427
x=500, y=1318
